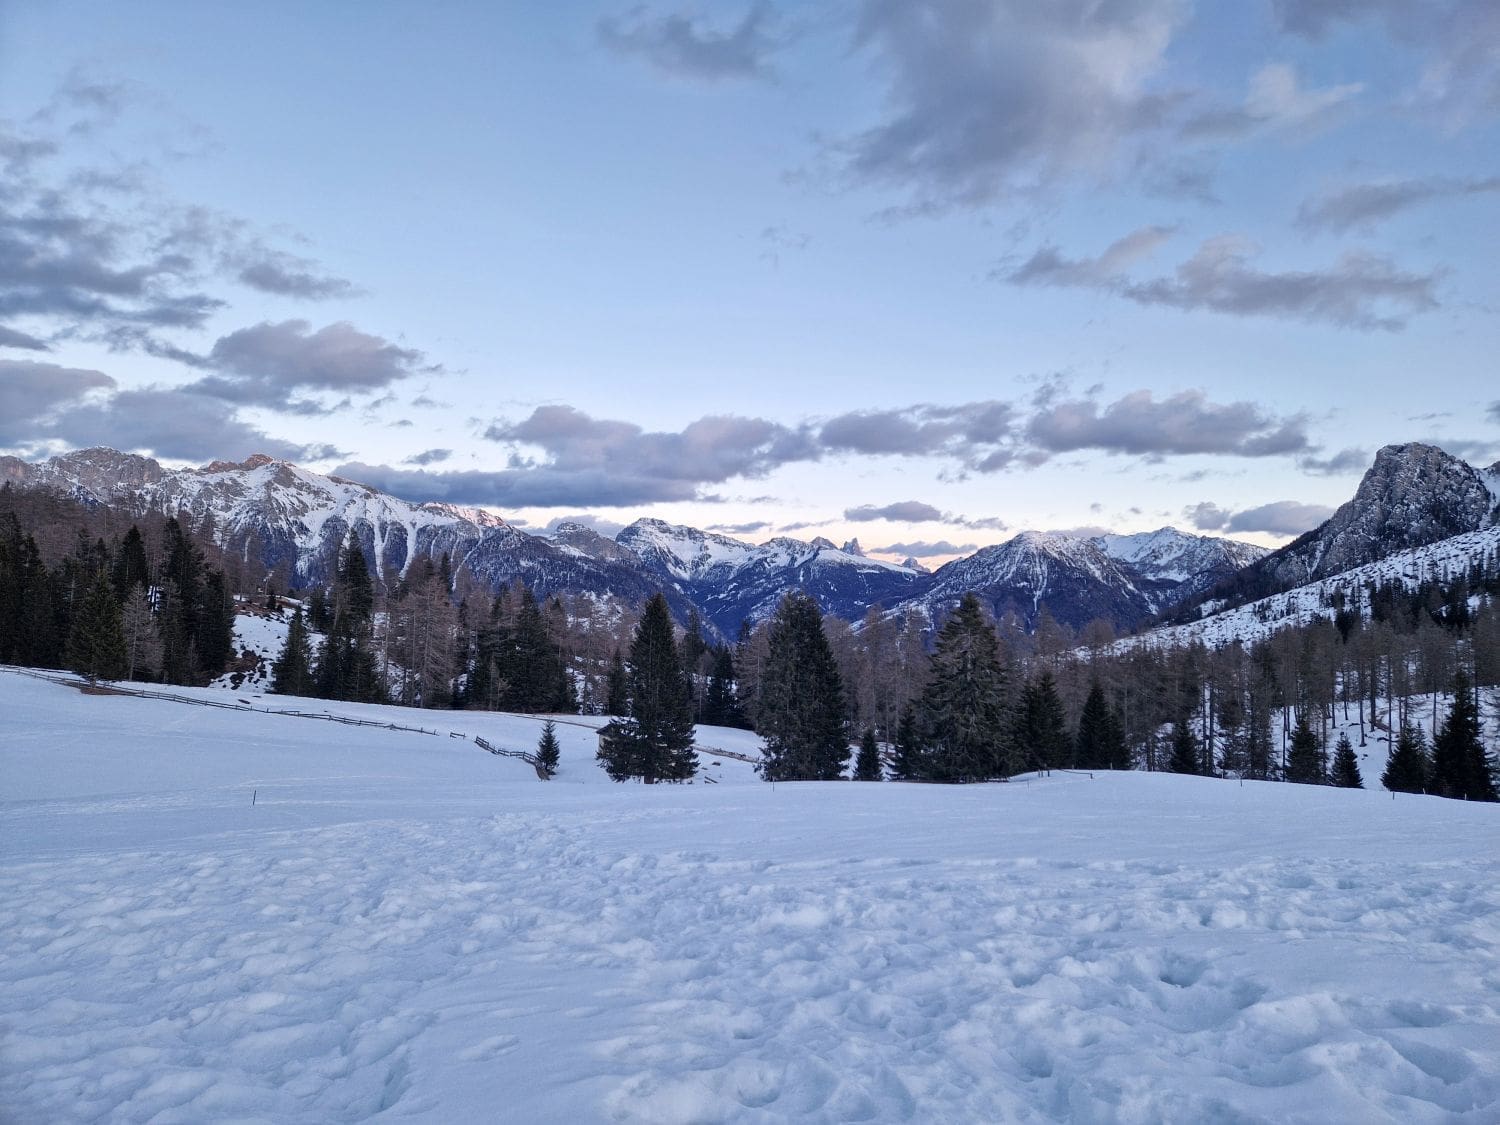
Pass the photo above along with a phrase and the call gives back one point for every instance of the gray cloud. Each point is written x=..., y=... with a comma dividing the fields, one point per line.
x=1360, y=290
x=267, y=364
x=533, y=487
x=174, y=424
x=991, y=97
x=1282, y=517
x=686, y=47
x=1276, y=100
x=289, y=276
x=923, y=549
x=905, y=511
x=30, y=392
x=707, y=451
x=429, y=457
x=977, y=433
x=1459, y=40
x=602, y=524
x=1362, y=206
x=21, y=341
x=1184, y=423
x=1494, y=411
x=1342, y=462
x=740, y=528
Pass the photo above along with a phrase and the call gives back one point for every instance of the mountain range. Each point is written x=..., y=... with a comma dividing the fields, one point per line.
x=294, y=521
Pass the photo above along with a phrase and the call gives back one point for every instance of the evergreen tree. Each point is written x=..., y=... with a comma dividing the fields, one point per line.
x=720, y=706
x=346, y=666
x=655, y=743
x=1305, y=763
x=131, y=568
x=536, y=678
x=142, y=642
x=617, y=700
x=1460, y=767
x=1346, y=766
x=907, y=765
x=1041, y=736
x=548, y=752
x=800, y=713
x=1185, y=757
x=96, y=645
x=1408, y=768
x=292, y=672
x=867, y=764
x=963, y=715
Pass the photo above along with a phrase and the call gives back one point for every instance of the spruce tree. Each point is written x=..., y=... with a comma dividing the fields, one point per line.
x=548, y=752
x=867, y=764
x=1460, y=767
x=142, y=642
x=130, y=567
x=291, y=674
x=800, y=712
x=1408, y=768
x=617, y=699
x=1346, y=766
x=720, y=707
x=96, y=645
x=655, y=743
x=1041, y=736
x=1092, y=744
x=1185, y=757
x=1305, y=763
x=963, y=717
x=907, y=765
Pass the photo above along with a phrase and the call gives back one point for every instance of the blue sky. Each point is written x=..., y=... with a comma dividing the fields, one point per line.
x=924, y=273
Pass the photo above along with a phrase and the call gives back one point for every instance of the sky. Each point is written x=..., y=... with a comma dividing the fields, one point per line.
x=921, y=272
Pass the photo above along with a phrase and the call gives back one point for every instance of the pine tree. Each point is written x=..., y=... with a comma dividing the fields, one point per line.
x=1185, y=757
x=1460, y=767
x=96, y=645
x=1091, y=744
x=1041, y=736
x=1305, y=763
x=963, y=717
x=907, y=765
x=800, y=711
x=617, y=700
x=1408, y=768
x=867, y=764
x=655, y=743
x=720, y=706
x=291, y=674
x=131, y=568
x=548, y=752
x=1346, y=766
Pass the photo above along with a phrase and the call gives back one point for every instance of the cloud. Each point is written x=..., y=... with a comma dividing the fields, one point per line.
x=1276, y=100
x=288, y=276
x=740, y=528
x=539, y=487
x=428, y=457
x=1282, y=517
x=977, y=433
x=13, y=338
x=266, y=364
x=1362, y=206
x=709, y=450
x=905, y=511
x=922, y=549
x=1344, y=461
x=1360, y=290
x=685, y=47
x=1184, y=423
x=1458, y=40
x=173, y=424
x=602, y=524
x=31, y=392
x=1494, y=411
x=993, y=97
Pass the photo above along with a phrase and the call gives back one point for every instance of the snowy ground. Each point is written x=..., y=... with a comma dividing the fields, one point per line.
x=403, y=925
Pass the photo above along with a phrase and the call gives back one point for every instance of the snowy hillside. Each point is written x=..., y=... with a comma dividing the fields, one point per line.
x=1444, y=560
x=403, y=926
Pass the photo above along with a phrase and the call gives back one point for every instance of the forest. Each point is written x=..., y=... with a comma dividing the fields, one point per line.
x=967, y=698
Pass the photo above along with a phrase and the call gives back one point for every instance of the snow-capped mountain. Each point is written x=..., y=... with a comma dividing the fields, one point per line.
x=294, y=522
x=1411, y=496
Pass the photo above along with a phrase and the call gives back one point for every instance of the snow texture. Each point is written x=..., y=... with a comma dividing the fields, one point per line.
x=403, y=926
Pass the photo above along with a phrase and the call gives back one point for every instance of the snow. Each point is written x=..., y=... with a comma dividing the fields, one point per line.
x=403, y=925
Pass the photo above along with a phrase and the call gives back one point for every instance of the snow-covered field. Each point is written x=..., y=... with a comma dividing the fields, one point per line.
x=402, y=925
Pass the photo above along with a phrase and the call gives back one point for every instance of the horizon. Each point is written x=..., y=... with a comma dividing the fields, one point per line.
x=922, y=276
